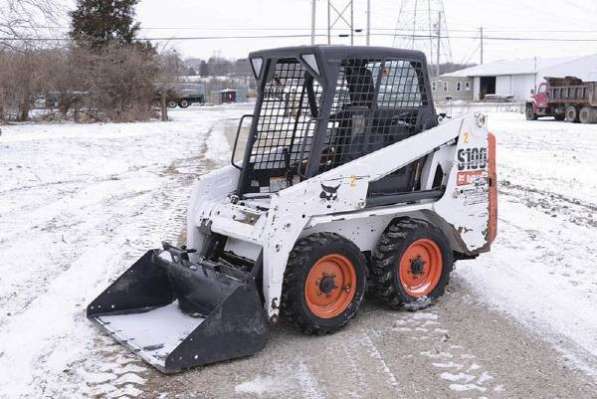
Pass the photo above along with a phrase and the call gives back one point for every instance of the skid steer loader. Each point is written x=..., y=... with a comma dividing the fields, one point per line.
x=348, y=183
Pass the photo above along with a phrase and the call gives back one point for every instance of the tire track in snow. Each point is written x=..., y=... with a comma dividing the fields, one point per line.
x=376, y=354
x=582, y=213
x=454, y=364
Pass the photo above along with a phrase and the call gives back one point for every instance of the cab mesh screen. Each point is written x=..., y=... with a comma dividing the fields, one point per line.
x=377, y=103
x=286, y=121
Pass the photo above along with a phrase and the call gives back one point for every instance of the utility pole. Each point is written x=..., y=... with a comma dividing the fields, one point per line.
x=439, y=40
x=352, y=23
x=368, y=22
x=329, y=22
x=313, y=20
x=482, y=44
x=535, y=75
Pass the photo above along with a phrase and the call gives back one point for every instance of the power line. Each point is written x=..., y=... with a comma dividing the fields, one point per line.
x=299, y=36
x=244, y=28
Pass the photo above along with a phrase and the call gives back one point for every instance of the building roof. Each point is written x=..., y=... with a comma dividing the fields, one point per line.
x=511, y=67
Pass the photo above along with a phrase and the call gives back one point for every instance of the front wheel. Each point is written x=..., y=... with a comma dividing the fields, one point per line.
x=324, y=283
x=411, y=264
x=530, y=113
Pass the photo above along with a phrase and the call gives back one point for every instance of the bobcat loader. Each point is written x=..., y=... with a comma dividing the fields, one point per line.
x=348, y=183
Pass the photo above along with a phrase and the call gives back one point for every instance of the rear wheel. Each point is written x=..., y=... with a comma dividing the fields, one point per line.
x=571, y=114
x=172, y=104
x=411, y=264
x=184, y=104
x=324, y=283
x=587, y=115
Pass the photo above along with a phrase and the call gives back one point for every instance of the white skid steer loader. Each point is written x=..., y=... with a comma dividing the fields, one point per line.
x=348, y=182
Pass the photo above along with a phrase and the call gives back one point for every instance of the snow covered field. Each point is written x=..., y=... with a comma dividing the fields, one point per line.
x=79, y=203
x=543, y=268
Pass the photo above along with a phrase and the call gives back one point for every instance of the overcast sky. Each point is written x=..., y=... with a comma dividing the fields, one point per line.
x=512, y=18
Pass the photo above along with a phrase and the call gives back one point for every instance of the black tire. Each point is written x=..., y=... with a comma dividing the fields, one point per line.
x=305, y=255
x=586, y=115
x=386, y=263
x=571, y=114
x=184, y=104
x=172, y=104
x=530, y=113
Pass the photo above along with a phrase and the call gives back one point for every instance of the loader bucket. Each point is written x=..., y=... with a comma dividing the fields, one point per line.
x=176, y=315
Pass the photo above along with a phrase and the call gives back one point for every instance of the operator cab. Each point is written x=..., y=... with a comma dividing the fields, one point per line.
x=320, y=107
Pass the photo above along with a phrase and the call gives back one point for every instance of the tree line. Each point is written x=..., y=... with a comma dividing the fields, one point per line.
x=103, y=72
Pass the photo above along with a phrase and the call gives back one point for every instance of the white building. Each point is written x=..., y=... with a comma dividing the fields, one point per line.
x=513, y=79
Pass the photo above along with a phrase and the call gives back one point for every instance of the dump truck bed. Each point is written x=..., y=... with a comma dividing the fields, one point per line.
x=571, y=91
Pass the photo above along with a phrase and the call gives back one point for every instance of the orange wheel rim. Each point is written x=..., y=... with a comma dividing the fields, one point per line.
x=420, y=268
x=330, y=286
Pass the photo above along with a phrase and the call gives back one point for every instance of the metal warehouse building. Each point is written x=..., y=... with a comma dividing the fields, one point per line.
x=510, y=79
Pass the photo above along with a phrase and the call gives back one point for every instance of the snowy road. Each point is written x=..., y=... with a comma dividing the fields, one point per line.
x=78, y=203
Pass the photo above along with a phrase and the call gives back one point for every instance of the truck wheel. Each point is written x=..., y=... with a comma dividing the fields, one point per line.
x=411, y=264
x=324, y=283
x=587, y=115
x=184, y=104
x=172, y=104
x=530, y=113
x=571, y=114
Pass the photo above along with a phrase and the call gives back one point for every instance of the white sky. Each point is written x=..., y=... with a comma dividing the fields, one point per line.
x=518, y=18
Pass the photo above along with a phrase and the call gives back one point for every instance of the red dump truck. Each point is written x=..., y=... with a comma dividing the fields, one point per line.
x=568, y=99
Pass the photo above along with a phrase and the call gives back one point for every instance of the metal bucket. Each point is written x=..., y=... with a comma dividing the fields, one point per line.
x=176, y=315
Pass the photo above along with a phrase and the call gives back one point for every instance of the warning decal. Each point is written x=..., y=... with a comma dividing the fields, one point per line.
x=468, y=177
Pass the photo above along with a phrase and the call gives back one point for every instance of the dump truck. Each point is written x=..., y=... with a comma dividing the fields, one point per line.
x=568, y=99
x=357, y=188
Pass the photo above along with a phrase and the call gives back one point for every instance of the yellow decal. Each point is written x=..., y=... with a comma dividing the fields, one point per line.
x=467, y=137
x=353, y=181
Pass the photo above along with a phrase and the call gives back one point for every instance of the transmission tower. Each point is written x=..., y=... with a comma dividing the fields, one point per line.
x=422, y=26
x=341, y=21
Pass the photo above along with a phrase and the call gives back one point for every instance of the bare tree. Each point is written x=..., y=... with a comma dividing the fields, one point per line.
x=171, y=67
x=20, y=22
x=118, y=81
x=20, y=80
x=24, y=19
x=63, y=79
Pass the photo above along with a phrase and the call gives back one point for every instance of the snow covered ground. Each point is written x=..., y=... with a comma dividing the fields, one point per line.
x=79, y=203
x=543, y=268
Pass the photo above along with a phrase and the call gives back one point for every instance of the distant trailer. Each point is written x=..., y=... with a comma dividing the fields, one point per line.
x=185, y=101
x=183, y=95
x=568, y=99
x=227, y=96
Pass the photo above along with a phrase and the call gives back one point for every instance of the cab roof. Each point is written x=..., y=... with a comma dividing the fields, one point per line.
x=339, y=52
